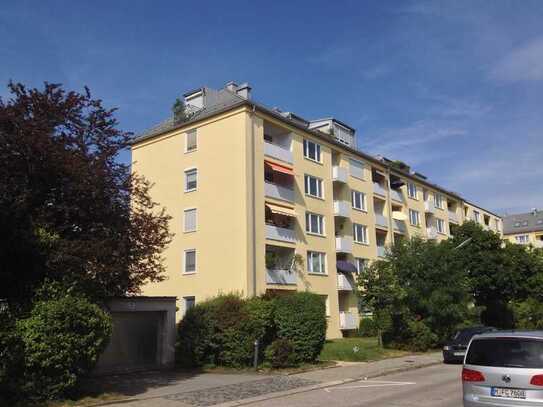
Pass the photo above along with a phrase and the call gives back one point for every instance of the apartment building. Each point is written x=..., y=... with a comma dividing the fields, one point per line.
x=524, y=228
x=252, y=190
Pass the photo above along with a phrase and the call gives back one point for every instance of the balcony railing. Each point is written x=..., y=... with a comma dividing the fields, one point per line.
x=429, y=207
x=279, y=192
x=281, y=234
x=342, y=208
x=453, y=217
x=381, y=220
x=340, y=174
x=381, y=251
x=281, y=277
x=344, y=244
x=431, y=231
x=399, y=225
x=344, y=283
x=396, y=195
x=347, y=320
x=379, y=190
x=279, y=152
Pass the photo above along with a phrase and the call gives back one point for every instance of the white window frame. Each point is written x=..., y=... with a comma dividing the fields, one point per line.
x=364, y=230
x=322, y=262
x=416, y=214
x=438, y=200
x=186, y=172
x=307, y=182
x=185, y=261
x=361, y=163
x=440, y=229
x=321, y=224
x=477, y=216
x=363, y=202
x=522, y=239
x=318, y=151
x=357, y=261
x=185, y=308
x=185, y=230
x=412, y=193
x=195, y=132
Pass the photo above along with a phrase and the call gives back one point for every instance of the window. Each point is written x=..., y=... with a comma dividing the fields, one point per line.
x=411, y=190
x=524, y=353
x=191, y=141
x=359, y=200
x=312, y=151
x=360, y=233
x=438, y=200
x=540, y=221
x=525, y=223
x=313, y=186
x=360, y=264
x=190, y=220
x=441, y=226
x=476, y=216
x=414, y=217
x=191, y=179
x=190, y=261
x=314, y=223
x=316, y=262
x=517, y=224
x=189, y=303
x=356, y=168
x=522, y=239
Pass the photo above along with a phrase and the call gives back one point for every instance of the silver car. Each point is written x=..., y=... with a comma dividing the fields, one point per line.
x=504, y=369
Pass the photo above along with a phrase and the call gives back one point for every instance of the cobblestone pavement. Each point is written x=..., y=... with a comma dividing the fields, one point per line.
x=222, y=394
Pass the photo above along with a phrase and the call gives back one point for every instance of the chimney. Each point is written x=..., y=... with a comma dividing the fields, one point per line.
x=244, y=90
x=231, y=86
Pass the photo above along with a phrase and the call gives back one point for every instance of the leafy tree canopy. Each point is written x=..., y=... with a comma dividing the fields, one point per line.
x=69, y=210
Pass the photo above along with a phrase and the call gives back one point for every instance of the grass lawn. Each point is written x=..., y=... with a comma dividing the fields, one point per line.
x=357, y=350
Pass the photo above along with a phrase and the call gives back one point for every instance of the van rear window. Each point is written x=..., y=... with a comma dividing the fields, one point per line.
x=506, y=352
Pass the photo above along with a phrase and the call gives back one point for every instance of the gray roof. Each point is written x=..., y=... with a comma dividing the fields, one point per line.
x=523, y=223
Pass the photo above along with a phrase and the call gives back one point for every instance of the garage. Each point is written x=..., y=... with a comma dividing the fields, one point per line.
x=143, y=336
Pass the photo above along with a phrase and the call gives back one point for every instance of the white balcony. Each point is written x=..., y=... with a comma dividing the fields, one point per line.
x=381, y=251
x=342, y=208
x=344, y=244
x=453, y=217
x=399, y=226
x=379, y=190
x=396, y=195
x=381, y=221
x=344, y=283
x=340, y=174
x=347, y=320
x=277, y=151
x=279, y=192
x=431, y=232
x=281, y=277
x=280, y=234
x=429, y=207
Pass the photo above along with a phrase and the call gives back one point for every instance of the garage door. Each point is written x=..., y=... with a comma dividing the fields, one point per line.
x=135, y=342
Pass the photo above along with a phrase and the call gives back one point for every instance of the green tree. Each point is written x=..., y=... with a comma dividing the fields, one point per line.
x=179, y=111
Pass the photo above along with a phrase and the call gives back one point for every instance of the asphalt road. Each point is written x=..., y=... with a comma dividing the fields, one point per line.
x=435, y=386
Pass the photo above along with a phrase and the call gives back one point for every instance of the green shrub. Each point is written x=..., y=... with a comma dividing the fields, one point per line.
x=62, y=341
x=11, y=360
x=195, y=335
x=367, y=327
x=421, y=337
x=281, y=354
x=528, y=314
x=301, y=318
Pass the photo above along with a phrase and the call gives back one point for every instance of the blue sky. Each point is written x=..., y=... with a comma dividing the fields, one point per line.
x=454, y=88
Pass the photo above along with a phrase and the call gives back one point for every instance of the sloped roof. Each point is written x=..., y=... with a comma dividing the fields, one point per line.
x=523, y=223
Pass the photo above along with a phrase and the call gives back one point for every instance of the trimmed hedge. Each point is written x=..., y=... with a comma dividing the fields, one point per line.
x=62, y=340
x=223, y=330
x=281, y=354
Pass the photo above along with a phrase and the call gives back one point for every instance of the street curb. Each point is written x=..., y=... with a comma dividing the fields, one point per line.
x=275, y=395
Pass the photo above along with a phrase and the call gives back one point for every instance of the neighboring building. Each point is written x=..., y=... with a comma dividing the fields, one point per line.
x=249, y=187
x=524, y=228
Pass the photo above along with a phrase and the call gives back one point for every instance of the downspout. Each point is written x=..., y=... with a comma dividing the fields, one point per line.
x=253, y=206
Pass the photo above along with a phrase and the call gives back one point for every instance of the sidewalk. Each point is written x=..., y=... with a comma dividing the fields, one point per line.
x=228, y=390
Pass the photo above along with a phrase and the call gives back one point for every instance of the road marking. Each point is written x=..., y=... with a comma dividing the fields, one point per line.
x=368, y=383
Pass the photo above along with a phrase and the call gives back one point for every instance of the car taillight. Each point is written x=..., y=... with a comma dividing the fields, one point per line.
x=537, y=380
x=469, y=375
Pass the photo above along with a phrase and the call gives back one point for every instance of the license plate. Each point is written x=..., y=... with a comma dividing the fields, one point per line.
x=508, y=393
x=459, y=353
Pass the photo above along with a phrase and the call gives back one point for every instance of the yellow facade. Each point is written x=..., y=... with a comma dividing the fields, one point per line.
x=235, y=228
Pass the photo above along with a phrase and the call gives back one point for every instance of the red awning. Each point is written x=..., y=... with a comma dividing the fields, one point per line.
x=280, y=168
